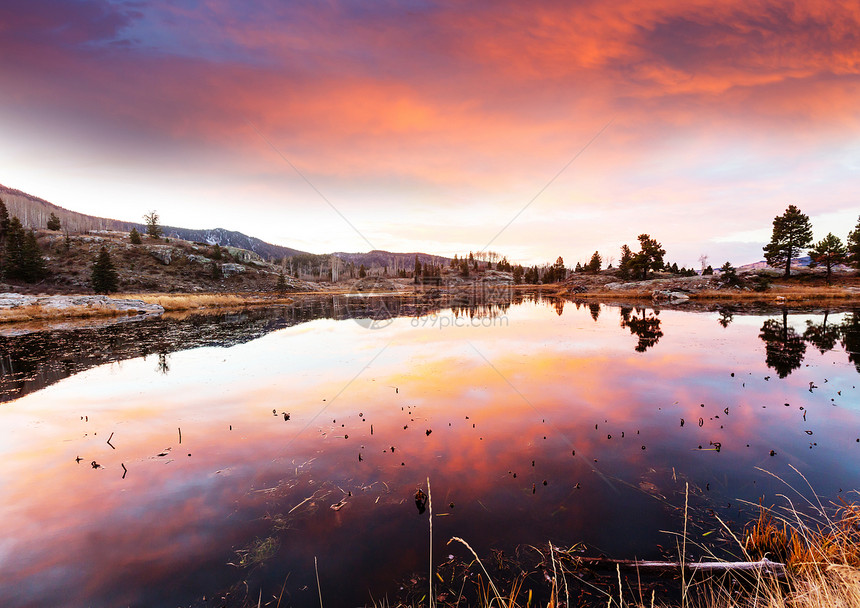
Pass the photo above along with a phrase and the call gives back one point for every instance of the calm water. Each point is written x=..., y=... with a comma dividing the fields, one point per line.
x=535, y=421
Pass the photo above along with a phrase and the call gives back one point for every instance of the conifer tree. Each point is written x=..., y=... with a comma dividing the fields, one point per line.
x=854, y=246
x=23, y=258
x=103, y=277
x=34, y=264
x=53, y=222
x=281, y=285
x=152, y=228
x=828, y=252
x=4, y=220
x=792, y=232
x=595, y=263
x=216, y=252
x=649, y=257
x=134, y=237
x=624, y=264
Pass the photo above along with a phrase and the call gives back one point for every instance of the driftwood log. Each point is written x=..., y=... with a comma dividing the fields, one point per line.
x=765, y=565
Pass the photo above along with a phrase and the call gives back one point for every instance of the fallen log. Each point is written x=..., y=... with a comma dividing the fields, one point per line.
x=764, y=565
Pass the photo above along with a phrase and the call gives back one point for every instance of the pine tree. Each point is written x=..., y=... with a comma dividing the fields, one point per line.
x=854, y=246
x=103, y=277
x=828, y=252
x=649, y=257
x=792, y=232
x=34, y=264
x=728, y=275
x=134, y=237
x=4, y=220
x=281, y=285
x=23, y=258
x=624, y=264
x=216, y=252
x=153, y=230
x=14, y=246
x=53, y=222
x=518, y=274
x=594, y=263
x=559, y=273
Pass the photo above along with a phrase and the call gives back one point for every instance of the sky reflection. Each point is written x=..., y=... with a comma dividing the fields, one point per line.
x=547, y=427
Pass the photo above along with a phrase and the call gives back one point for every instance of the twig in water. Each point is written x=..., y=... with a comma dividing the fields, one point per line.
x=180, y=435
x=109, y=443
x=683, y=559
x=319, y=591
x=430, y=508
x=282, y=590
x=124, y=470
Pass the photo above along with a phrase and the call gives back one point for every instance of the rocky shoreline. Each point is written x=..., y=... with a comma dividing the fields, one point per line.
x=62, y=304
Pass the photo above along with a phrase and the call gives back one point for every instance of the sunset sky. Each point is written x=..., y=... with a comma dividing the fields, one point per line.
x=429, y=126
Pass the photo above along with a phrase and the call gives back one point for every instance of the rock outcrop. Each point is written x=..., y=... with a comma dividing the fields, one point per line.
x=129, y=307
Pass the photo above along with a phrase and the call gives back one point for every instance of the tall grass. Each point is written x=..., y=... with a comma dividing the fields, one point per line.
x=821, y=553
x=191, y=301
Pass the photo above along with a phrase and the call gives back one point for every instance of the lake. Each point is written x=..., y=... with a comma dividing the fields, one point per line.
x=168, y=462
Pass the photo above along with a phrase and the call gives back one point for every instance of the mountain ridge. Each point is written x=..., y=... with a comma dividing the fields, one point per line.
x=34, y=211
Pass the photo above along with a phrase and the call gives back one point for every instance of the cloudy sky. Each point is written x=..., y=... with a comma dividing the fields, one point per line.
x=534, y=129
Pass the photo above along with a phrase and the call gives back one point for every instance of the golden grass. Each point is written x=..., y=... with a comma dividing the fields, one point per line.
x=191, y=301
x=778, y=294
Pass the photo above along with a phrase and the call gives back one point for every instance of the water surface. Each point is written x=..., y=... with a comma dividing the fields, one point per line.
x=535, y=421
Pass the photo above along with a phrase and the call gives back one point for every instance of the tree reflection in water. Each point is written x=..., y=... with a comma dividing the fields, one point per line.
x=784, y=348
x=851, y=338
x=646, y=327
x=823, y=336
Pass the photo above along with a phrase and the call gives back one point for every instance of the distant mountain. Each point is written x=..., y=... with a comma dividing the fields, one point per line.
x=801, y=262
x=34, y=212
x=232, y=238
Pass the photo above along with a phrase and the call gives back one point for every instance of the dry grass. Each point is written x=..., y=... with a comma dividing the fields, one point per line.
x=822, y=558
x=191, y=301
x=779, y=294
x=36, y=312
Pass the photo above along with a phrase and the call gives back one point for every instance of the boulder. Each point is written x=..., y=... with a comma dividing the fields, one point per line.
x=228, y=270
x=670, y=296
x=162, y=254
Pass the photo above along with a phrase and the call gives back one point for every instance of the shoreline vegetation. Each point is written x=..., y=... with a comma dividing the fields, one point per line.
x=658, y=292
x=780, y=558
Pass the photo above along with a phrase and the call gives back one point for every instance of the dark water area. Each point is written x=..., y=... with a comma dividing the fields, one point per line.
x=165, y=462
